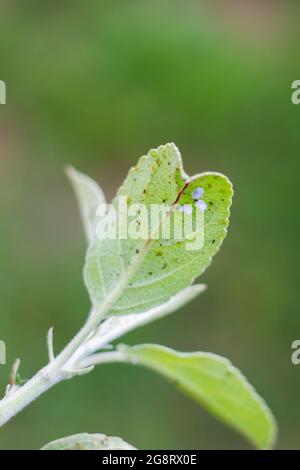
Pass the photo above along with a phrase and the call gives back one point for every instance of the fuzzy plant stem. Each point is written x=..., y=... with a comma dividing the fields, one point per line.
x=14, y=402
x=44, y=380
x=57, y=370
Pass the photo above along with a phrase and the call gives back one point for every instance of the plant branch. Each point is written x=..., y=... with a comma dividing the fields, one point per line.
x=77, y=357
x=57, y=370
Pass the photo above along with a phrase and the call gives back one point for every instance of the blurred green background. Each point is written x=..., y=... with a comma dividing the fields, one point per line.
x=97, y=84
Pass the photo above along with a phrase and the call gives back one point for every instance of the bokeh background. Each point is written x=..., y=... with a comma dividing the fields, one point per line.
x=97, y=84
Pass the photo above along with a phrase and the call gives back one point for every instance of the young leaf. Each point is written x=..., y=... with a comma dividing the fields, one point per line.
x=86, y=441
x=126, y=276
x=89, y=196
x=214, y=382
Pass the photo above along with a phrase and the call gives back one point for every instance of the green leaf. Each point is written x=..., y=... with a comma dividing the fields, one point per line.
x=126, y=276
x=86, y=441
x=89, y=196
x=215, y=383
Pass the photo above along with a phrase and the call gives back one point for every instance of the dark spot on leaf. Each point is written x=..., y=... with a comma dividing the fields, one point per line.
x=158, y=253
x=137, y=251
x=213, y=241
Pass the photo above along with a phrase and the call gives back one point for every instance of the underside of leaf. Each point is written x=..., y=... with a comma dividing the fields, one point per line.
x=133, y=275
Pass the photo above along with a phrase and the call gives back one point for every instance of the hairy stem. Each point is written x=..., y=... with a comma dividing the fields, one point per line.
x=54, y=372
x=13, y=403
x=64, y=366
x=77, y=356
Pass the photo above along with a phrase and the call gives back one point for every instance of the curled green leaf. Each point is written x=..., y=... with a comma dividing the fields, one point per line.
x=126, y=276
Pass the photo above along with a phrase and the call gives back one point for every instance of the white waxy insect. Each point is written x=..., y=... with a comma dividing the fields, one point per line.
x=198, y=193
x=201, y=205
